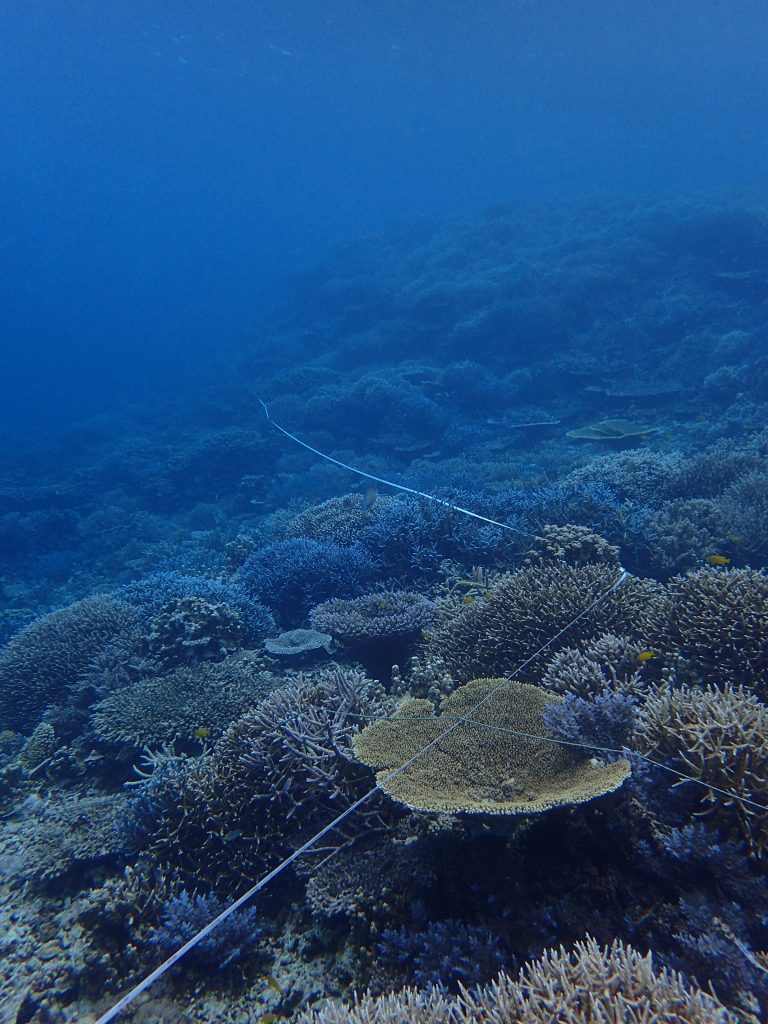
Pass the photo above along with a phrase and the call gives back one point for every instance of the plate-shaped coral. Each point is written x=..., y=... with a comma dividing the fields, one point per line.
x=485, y=753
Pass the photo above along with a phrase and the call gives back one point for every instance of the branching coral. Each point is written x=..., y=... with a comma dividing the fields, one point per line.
x=718, y=620
x=190, y=630
x=280, y=772
x=44, y=659
x=374, y=618
x=588, y=985
x=606, y=663
x=719, y=736
x=480, y=769
x=158, y=710
x=524, y=610
x=291, y=576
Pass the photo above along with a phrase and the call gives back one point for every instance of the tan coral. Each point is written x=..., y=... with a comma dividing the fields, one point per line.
x=720, y=738
x=477, y=769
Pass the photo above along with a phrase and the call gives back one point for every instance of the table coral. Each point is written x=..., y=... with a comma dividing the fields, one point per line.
x=480, y=769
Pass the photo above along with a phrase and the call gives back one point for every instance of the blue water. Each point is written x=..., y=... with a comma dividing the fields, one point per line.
x=166, y=166
x=362, y=352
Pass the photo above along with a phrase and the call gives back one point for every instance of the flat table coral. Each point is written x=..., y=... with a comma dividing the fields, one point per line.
x=478, y=768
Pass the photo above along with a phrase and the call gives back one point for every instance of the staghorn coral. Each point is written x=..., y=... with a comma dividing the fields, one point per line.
x=587, y=985
x=593, y=985
x=159, y=710
x=574, y=545
x=524, y=610
x=280, y=772
x=718, y=620
x=719, y=736
x=190, y=630
x=607, y=663
x=476, y=769
x=339, y=520
x=40, y=663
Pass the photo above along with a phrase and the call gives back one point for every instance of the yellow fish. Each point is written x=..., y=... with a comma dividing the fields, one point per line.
x=274, y=984
x=468, y=599
x=717, y=560
x=735, y=538
x=202, y=733
x=646, y=656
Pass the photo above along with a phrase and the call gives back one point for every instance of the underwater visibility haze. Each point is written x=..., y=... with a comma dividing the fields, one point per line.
x=383, y=477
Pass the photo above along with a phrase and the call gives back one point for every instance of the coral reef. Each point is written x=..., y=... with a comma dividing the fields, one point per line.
x=444, y=955
x=489, y=764
x=587, y=984
x=291, y=576
x=185, y=914
x=719, y=736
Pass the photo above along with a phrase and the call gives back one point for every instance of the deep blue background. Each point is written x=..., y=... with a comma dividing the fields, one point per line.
x=165, y=165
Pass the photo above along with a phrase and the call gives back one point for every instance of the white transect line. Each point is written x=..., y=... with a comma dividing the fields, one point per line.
x=391, y=483
x=174, y=958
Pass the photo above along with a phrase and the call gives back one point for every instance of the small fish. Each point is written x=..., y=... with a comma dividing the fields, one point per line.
x=735, y=538
x=468, y=599
x=268, y=1018
x=646, y=656
x=426, y=635
x=717, y=560
x=369, y=498
x=202, y=733
x=230, y=837
x=274, y=984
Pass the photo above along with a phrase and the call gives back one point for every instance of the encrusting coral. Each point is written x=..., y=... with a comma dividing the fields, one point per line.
x=719, y=736
x=480, y=769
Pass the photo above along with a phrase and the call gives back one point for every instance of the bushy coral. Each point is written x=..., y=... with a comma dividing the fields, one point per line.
x=524, y=610
x=605, y=720
x=185, y=914
x=719, y=738
x=291, y=576
x=41, y=662
x=184, y=704
x=190, y=630
x=151, y=594
x=603, y=664
x=587, y=985
x=279, y=773
x=717, y=621
x=443, y=955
